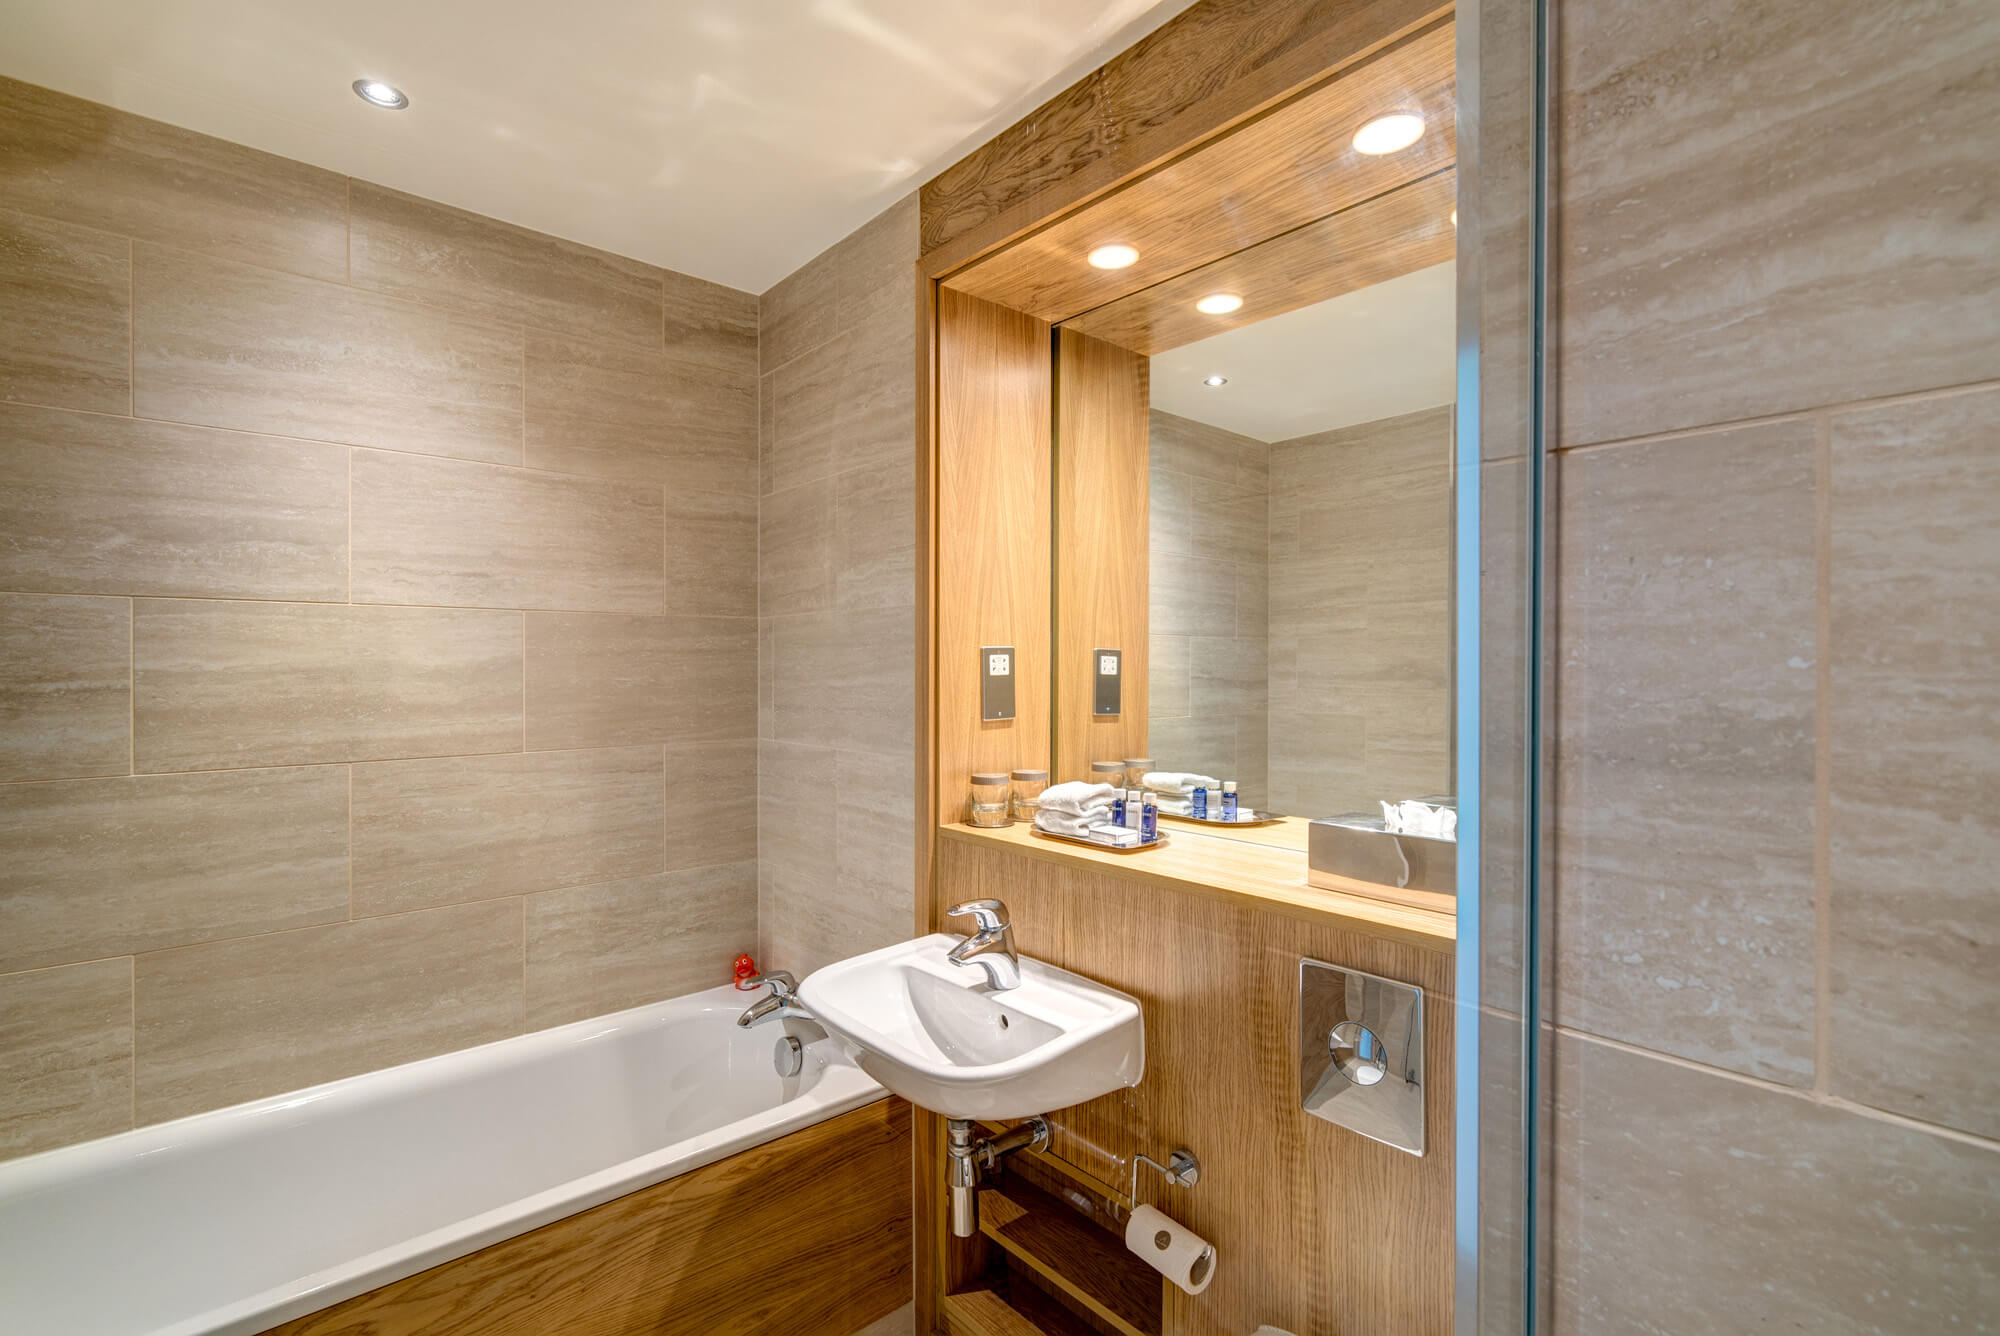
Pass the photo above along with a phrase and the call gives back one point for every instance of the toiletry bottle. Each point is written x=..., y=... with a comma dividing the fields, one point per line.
x=1149, y=819
x=1134, y=800
x=1118, y=808
x=1198, y=802
x=1228, y=800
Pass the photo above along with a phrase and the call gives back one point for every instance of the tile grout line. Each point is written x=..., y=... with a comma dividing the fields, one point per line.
x=1823, y=756
x=134, y=977
x=131, y=688
x=1794, y=415
x=412, y=607
x=1806, y=1094
x=350, y=841
x=131, y=328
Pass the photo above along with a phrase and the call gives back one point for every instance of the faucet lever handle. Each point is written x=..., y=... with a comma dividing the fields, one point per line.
x=781, y=982
x=987, y=915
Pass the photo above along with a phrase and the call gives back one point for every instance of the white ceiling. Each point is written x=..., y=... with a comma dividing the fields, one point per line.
x=730, y=139
x=1365, y=355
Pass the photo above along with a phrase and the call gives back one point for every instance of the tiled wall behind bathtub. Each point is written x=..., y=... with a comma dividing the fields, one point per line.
x=1778, y=704
x=378, y=595
x=836, y=600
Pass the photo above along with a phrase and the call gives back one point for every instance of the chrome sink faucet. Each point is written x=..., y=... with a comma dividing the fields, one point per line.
x=991, y=946
x=783, y=1001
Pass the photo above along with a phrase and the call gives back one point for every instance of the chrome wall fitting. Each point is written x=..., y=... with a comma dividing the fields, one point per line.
x=1361, y=1053
x=1182, y=1170
x=970, y=1153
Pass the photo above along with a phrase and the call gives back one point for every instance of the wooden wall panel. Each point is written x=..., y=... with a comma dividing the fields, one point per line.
x=1317, y=1229
x=1102, y=398
x=1211, y=66
x=808, y=1235
x=993, y=537
x=1278, y=172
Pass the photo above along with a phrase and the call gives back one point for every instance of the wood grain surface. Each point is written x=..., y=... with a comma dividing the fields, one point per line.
x=804, y=1236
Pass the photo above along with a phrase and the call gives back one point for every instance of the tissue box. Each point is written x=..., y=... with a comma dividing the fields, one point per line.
x=1357, y=854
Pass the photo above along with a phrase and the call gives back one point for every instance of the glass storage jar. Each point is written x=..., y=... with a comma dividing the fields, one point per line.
x=1028, y=786
x=989, y=799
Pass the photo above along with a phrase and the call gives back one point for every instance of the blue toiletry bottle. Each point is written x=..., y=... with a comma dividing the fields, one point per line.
x=1228, y=800
x=1149, y=819
x=1198, y=801
x=1118, y=808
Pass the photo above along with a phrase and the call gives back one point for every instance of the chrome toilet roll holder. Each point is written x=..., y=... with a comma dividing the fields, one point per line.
x=1182, y=1170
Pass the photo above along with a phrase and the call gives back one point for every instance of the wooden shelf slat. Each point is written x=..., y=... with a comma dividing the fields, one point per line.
x=1028, y=1312
x=1082, y=1260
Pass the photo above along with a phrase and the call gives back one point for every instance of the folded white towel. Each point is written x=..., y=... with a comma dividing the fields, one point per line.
x=1176, y=806
x=1063, y=823
x=1077, y=798
x=1179, y=781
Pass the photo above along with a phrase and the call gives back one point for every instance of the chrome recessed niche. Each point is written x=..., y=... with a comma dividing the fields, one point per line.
x=1361, y=1053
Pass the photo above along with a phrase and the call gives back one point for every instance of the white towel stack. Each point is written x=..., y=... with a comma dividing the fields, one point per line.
x=1182, y=782
x=1072, y=809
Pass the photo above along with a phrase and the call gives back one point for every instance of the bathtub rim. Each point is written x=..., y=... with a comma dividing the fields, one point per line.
x=840, y=1087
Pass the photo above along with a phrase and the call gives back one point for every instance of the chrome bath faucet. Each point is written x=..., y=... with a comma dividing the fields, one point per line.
x=991, y=946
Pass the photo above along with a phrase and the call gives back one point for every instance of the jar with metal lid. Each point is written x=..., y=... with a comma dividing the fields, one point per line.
x=1108, y=772
x=1136, y=769
x=1028, y=786
x=989, y=799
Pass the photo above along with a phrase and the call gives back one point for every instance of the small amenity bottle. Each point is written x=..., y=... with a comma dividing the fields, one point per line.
x=1118, y=808
x=1198, y=802
x=1149, y=819
x=1228, y=800
x=1133, y=800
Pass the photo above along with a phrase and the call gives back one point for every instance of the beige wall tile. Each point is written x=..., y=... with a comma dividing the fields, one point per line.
x=875, y=538
x=875, y=845
x=795, y=544
x=711, y=802
x=1409, y=443
x=110, y=505
x=596, y=949
x=1685, y=697
x=1167, y=677
x=711, y=556
x=845, y=680
x=849, y=403
x=1915, y=761
x=606, y=681
x=440, y=832
x=65, y=687
x=226, y=345
x=1704, y=277
x=624, y=412
x=1196, y=449
x=871, y=270
x=233, y=684
x=65, y=158
x=798, y=832
x=67, y=338
x=452, y=533
x=710, y=325
x=490, y=270
x=1689, y=1202
x=232, y=1021
x=65, y=1055
x=106, y=867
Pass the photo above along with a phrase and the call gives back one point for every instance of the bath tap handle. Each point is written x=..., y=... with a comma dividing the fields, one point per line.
x=987, y=915
x=781, y=983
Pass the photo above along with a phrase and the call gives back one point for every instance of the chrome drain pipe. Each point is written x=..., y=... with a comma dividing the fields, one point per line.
x=969, y=1153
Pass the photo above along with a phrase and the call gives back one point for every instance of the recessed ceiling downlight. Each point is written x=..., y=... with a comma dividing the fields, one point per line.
x=378, y=94
x=1215, y=382
x=1113, y=257
x=1219, y=303
x=1388, y=134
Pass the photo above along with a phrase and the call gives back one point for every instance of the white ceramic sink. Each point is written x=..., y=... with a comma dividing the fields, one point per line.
x=938, y=1035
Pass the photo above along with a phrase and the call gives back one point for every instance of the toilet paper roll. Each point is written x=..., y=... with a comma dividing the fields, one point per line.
x=1171, y=1249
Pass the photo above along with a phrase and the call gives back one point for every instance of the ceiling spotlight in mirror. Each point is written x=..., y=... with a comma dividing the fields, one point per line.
x=1113, y=257
x=1389, y=134
x=1219, y=303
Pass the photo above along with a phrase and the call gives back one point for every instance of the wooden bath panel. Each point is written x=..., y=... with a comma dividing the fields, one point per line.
x=808, y=1235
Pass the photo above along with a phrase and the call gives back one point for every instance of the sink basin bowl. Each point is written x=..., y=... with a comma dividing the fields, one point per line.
x=939, y=1036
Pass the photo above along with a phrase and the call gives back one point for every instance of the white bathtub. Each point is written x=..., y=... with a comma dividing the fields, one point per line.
x=232, y=1221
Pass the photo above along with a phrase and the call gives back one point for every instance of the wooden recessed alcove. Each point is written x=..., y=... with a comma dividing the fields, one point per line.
x=1219, y=147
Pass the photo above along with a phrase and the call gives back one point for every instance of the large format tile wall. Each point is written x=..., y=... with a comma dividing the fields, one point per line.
x=377, y=625
x=836, y=601
x=1208, y=602
x=1778, y=710
x=1361, y=615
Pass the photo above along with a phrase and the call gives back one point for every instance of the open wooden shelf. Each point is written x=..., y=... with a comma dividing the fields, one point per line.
x=1229, y=868
x=1022, y=1311
x=1068, y=1252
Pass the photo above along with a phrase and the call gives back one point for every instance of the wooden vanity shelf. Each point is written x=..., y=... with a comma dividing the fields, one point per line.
x=1053, y=1267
